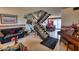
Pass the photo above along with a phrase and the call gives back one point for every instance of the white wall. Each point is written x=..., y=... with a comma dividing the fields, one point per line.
x=21, y=11
x=69, y=16
x=13, y=12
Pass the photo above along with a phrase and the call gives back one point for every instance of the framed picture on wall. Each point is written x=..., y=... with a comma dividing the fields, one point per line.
x=8, y=19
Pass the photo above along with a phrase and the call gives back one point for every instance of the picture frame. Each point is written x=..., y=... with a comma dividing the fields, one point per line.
x=8, y=19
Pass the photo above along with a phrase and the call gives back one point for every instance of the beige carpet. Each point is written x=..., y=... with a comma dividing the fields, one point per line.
x=32, y=42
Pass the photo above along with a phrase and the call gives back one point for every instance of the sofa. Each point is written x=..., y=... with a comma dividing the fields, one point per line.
x=9, y=33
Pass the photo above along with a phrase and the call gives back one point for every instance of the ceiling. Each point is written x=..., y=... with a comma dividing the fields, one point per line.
x=25, y=10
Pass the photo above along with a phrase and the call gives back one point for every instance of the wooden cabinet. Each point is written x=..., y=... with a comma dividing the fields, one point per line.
x=69, y=41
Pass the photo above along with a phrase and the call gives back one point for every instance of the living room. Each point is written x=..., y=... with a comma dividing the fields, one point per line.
x=13, y=22
x=38, y=28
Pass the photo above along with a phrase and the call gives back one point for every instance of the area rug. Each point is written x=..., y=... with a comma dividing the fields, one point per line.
x=50, y=42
